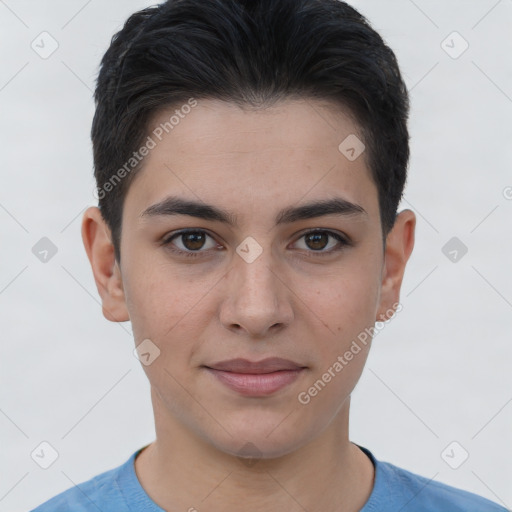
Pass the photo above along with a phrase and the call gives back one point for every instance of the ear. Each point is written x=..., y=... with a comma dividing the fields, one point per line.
x=399, y=245
x=100, y=251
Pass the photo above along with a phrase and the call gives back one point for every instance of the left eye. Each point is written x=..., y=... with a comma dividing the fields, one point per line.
x=318, y=241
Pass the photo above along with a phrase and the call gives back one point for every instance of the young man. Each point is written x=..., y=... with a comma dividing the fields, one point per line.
x=250, y=156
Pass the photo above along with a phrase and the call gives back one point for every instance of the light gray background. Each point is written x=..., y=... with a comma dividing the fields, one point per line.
x=439, y=372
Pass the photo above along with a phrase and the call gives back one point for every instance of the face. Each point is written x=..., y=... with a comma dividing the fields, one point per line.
x=249, y=236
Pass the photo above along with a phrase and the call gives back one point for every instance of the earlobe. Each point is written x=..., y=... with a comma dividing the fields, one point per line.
x=399, y=246
x=97, y=240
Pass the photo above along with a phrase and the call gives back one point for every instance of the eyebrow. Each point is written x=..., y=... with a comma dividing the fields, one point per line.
x=173, y=205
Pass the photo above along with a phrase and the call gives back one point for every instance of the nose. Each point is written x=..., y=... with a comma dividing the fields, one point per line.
x=257, y=301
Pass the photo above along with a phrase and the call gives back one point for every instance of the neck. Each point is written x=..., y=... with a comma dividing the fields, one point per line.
x=182, y=471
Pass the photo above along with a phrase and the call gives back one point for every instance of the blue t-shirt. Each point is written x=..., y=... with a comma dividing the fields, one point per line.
x=394, y=490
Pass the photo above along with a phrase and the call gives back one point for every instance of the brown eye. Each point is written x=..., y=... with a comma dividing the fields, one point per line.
x=317, y=241
x=193, y=241
x=190, y=242
x=321, y=241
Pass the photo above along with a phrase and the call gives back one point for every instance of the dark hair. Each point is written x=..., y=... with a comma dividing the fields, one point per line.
x=253, y=53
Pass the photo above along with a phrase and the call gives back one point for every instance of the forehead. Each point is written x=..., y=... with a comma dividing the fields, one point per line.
x=246, y=158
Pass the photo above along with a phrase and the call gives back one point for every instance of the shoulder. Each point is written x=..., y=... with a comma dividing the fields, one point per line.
x=95, y=494
x=433, y=495
x=398, y=489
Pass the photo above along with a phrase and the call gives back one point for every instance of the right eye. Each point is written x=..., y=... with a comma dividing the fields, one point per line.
x=190, y=242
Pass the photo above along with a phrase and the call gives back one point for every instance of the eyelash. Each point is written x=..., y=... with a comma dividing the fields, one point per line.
x=167, y=242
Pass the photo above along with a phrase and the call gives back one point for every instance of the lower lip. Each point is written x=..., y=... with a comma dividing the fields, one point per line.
x=251, y=384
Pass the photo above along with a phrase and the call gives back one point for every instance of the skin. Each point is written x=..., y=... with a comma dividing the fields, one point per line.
x=292, y=302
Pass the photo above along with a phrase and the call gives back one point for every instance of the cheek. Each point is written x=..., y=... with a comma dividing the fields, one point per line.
x=346, y=308
x=344, y=303
x=160, y=301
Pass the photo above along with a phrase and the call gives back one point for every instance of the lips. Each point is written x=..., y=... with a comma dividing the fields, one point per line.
x=256, y=378
x=269, y=365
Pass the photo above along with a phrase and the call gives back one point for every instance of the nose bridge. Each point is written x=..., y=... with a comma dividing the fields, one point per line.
x=257, y=298
x=257, y=279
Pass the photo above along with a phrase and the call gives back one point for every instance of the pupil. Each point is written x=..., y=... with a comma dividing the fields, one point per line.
x=193, y=241
x=317, y=240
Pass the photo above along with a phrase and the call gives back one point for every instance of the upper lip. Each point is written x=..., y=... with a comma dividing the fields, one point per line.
x=269, y=365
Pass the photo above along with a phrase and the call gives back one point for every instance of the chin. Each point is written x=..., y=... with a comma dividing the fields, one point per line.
x=259, y=438
x=253, y=448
